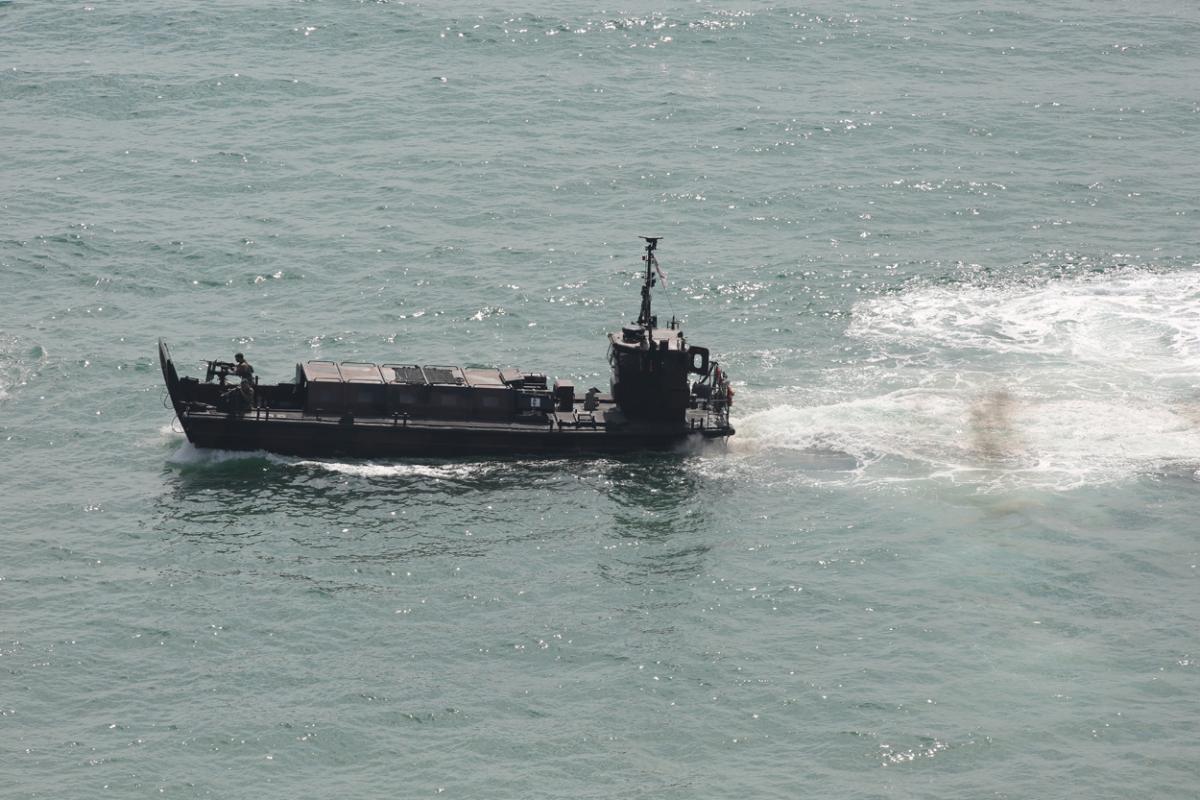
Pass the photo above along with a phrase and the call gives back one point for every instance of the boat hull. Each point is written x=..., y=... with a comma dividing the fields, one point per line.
x=334, y=438
x=275, y=423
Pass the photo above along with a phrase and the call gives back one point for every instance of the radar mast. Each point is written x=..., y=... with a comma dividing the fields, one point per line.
x=645, y=318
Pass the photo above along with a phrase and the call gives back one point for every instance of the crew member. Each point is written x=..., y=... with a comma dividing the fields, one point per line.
x=246, y=372
x=243, y=369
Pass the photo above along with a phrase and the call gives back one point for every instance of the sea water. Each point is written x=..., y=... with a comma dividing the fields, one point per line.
x=948, y=252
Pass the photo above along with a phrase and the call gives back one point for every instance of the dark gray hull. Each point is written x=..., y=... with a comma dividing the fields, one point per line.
x=291, y=433
x=270, y=426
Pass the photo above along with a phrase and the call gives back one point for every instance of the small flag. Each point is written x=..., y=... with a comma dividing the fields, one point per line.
x=662, y=276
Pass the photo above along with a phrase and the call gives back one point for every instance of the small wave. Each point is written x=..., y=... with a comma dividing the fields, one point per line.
x=188, y=455
x=171, y=430
x=17, y=367
x=456, y=472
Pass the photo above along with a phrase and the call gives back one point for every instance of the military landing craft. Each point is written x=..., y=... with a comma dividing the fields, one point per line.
x=663, y=392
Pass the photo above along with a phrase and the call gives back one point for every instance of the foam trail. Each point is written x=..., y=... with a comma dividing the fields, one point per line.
x=1132, y=320
x=1055, y=385
x=188, y=455
x=400, y=470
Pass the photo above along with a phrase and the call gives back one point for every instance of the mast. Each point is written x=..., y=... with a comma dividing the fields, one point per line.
x=645, y=318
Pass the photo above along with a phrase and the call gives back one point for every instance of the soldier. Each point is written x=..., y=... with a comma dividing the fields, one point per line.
x=243, y=369
x=246, y=372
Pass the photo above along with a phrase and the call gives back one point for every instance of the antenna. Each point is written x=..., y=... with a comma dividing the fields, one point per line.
x=645, y=318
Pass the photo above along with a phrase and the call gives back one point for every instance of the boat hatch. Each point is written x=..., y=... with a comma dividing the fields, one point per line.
x=365, y=392
x=448, y=375
x=324, y=387
x=483, y=377
x=405, y=373
x=322, y=371
x=360, y=373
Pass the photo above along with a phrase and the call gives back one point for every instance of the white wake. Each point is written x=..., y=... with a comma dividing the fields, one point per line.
x=1055, y=384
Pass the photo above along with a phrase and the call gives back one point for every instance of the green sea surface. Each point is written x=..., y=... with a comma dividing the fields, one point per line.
x=947, y=251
